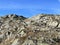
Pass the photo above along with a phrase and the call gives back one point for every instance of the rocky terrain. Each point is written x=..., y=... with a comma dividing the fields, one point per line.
x=42, y=29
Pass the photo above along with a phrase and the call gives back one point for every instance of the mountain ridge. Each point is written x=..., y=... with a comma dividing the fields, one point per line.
x=42, y=29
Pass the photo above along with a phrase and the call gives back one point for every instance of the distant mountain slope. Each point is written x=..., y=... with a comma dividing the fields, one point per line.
x=42, y=29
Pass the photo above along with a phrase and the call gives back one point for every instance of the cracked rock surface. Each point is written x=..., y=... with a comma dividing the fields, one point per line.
x=42, y=29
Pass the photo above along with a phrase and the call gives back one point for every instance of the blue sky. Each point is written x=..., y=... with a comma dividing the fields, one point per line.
x=29, y=8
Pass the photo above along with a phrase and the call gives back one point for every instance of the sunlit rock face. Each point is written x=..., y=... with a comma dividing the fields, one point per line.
x=42, y=29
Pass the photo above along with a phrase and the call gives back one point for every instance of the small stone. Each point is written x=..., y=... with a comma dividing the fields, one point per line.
x=28, y=42
x=53, y=24
x=15, y=42
x=43, y=44
x=59, y=26
x=23, y=33
x=1, y=35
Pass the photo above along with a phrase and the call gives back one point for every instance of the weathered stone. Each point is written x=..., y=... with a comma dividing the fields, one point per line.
x=53, y=23
x=22, y=33
x=42, y=44
x=28, y=42
x=15, y=42
x=59, y=26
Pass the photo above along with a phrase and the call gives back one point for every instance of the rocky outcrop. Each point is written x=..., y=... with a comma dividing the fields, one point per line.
x=42, y=29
